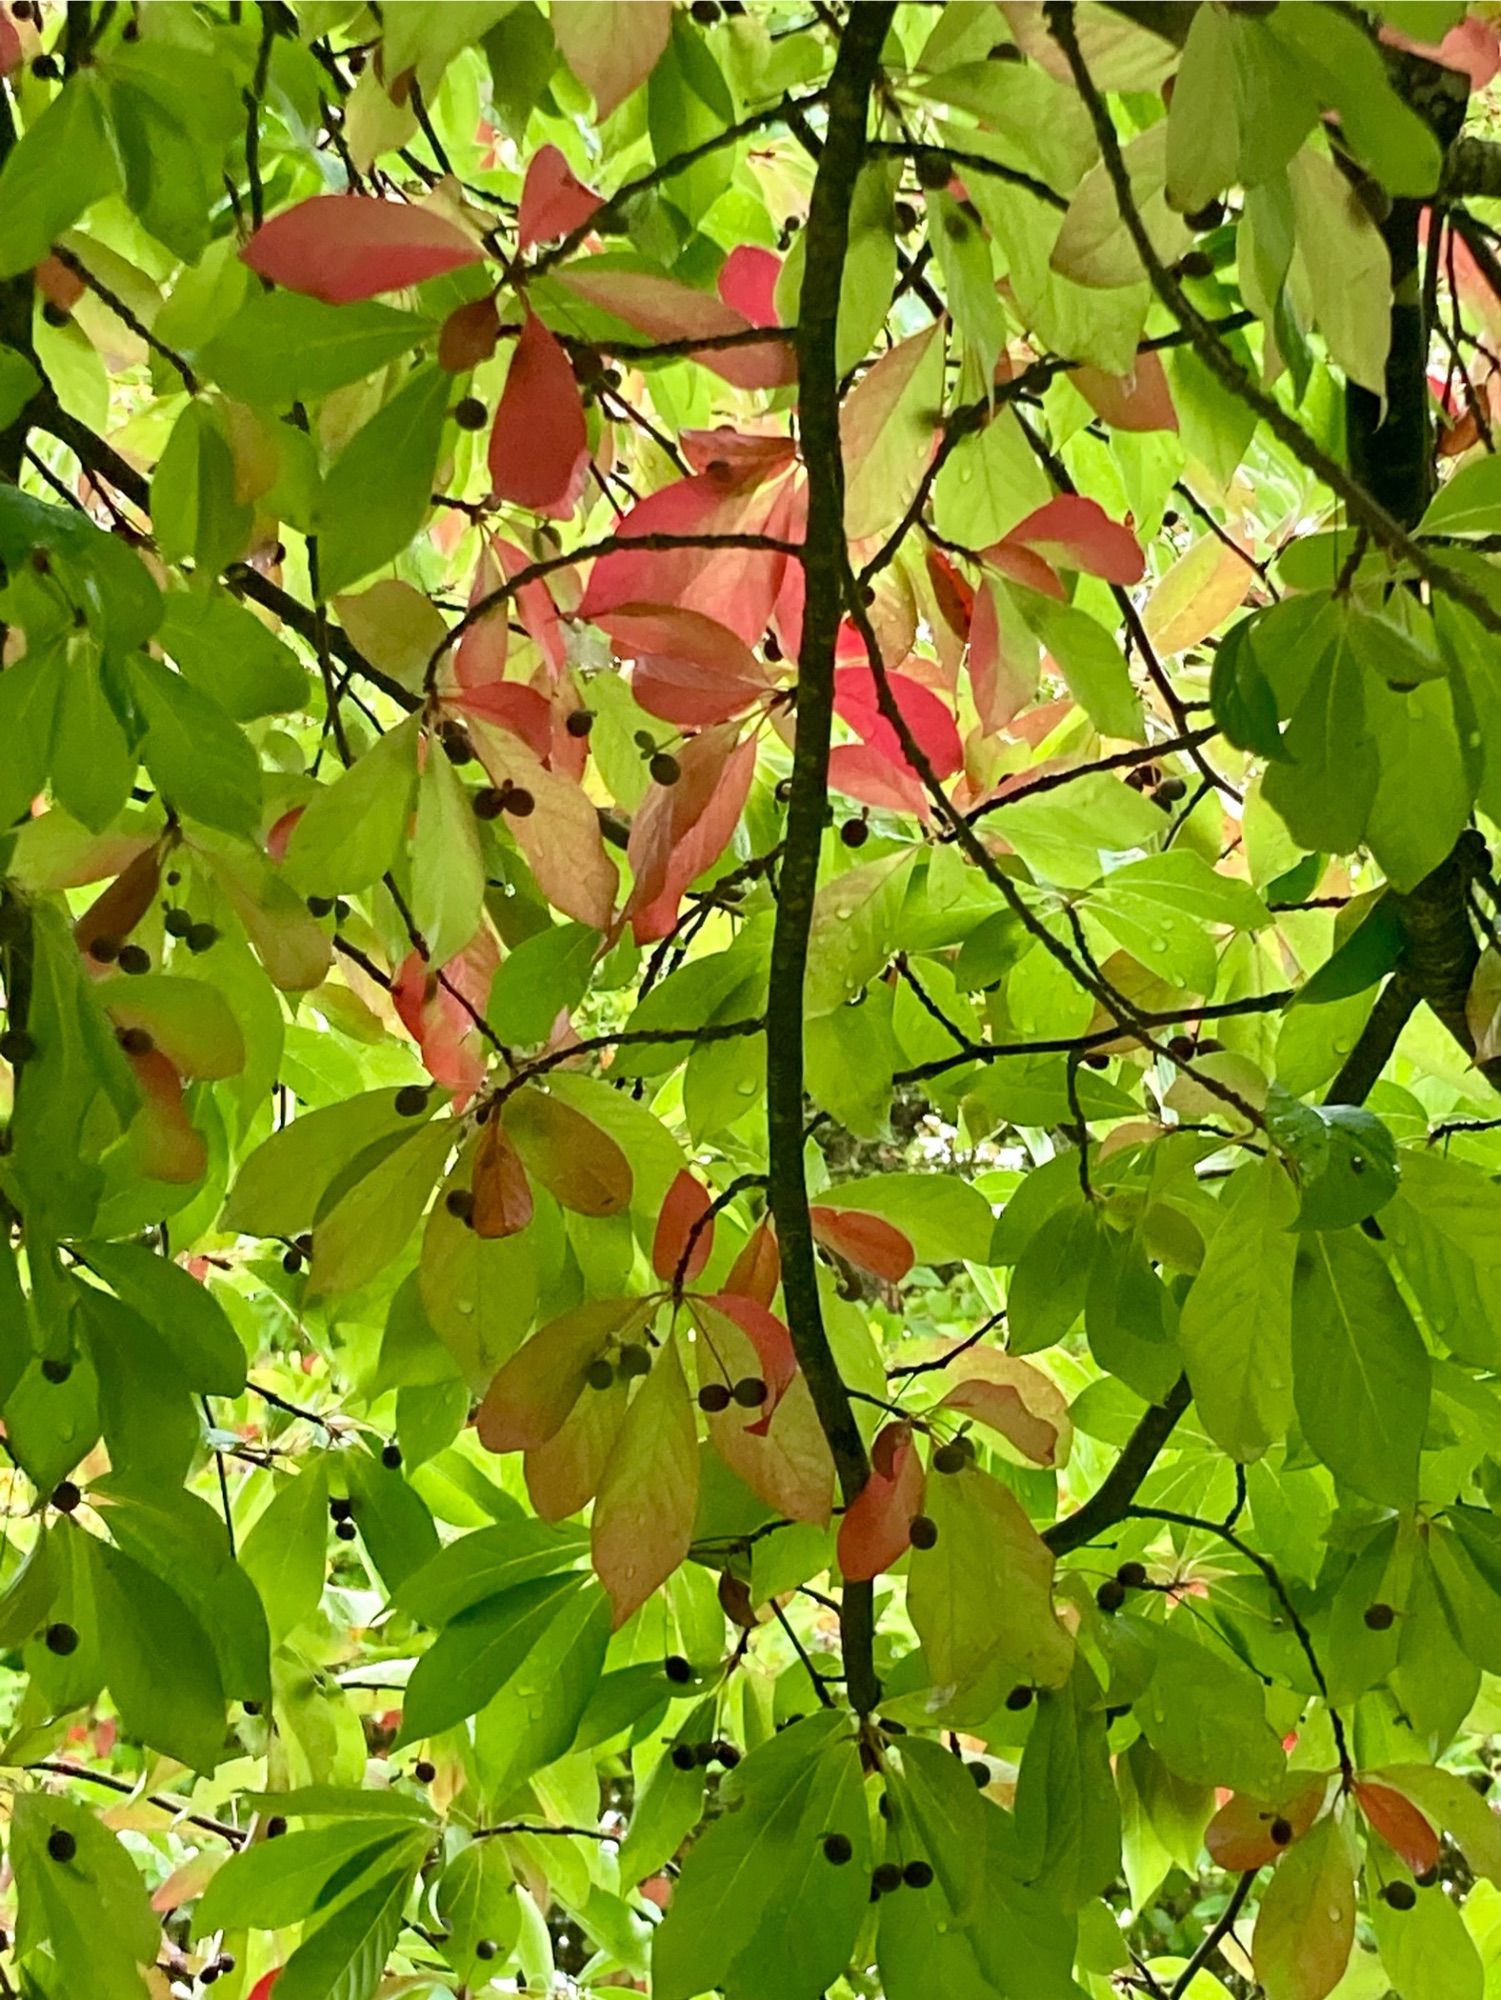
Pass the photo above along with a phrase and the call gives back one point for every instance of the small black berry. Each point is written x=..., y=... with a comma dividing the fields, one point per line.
x=487, y=1949
x=291, y=1261
x=340, y=1509
x=886, y=1876
x=1020, y=1698
x=276, y=1826
x=46, y=68
x=1281, y=1831
x=104, y=950
x=320, y=906
x=489, y=802
x=635, y=1359
x=61, y=1845
x=65, y=1496
x=677, y=1668
x=460, y=1204
x=201, y=938
x=177, y=923
x=1111, y=1595
x=922, y=1533
x=665, y=768
x=390, y=1456
x=1399, y=1895
x=135, y=1041
x=346, y=1531
x=56, y=1370
x=411, y=1100
x=713, y=1397
x=979, y=1774
x=1428, y=1877
x=1169, y=791
x=917, y=1874
x=580, y=722
x=934, y=170
x=599, y=1374
x=854, y=833
x=1210, y=216
x=134, y=958
x=469, y=413
x=424, y=1772
x=60, y=1639
x=683, y=1758
x=838, y=1848
x=951, y=1457
x=1379, y=1617
x=519, y=802
x=16, y=1046
x=1132, y=1574
x=750, y=1392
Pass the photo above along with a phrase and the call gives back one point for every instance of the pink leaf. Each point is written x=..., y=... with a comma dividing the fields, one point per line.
x=932, y=725
x=1004, y=661
x=511, y=705
x=11, y=52
x=685, y=1208
x=772, y=1342
x=1139, y=401
x=868, y=776
x=539, y=446
x=481, y=654
x=690, y=669
x=1028, y=567
x=343, y=247
x=1471, y=46
x=665, y=310
x=434, y=1013
x=747, y=283
x=951, y=592
x=877, y=1527
x=1079, y=534
x=554, y=201
x=869, y=1241
x=737, y=587
x=738, y=455
x=281, y=832
x=682, y=829
x=612, y=46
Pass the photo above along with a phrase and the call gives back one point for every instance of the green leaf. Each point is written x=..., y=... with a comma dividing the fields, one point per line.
x=394, y=1525
x=194, y=508
x=477, y=1653
x=945, y=1220
x=1445, y=1227
x=37, y=201
x=1236, y=1326
x=281, y=1187
x=378, y=490
x=1205, y=1716
x=478, y=1901
x=1067, y=1816
x=93, y=766
x=225, y=651
x=546, y=975
x=1360, y=1370
x=1306, y=1924
x=30, y=689
x=369, y=1224
x=282, y=348
x=349, y=833
x=1090, y=662
x=486, y=1563
x=19, y=382
x=159, y=1664
x=275, y=1883
x=1345, y=1157
x=1203, y=132
x=1159, y=910
x=345, y=1958
x=286, y=1552
x=1325, y=787
x=189, y=1318
x=92, y=1911
x=448, y=868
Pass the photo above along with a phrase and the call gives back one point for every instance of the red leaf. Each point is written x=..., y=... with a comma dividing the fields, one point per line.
x=877, y=1524
x=11, y=52
x=858, y=772
x=480, y=656
x=554, y=201
x=747, y=283
x=281, y=833
x=262, y=1987
x=502, y=1192
x=524, y=711
x=166, y=1145
x=687, y=1203
x=1028, y=567
x=773, y=1345
x=535, y=607
x=930, y=721
x=434, y=1013
x=1139, y=401
x=740, y=455
x=343, y=247
x=1240, y=1834
x=869, y=1241
x=690, y=669
x=1004, y=661
x=1471, y=46
x=468, y=336
x=737, y=587
x=539, y=446
x=1400, y=1825
x=665, y=310
x=682, y=829
x=56, y=283
x=1079, y=534
x=951, y=592
x=757, y=1271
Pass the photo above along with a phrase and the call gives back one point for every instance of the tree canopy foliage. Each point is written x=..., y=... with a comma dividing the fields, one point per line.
x=749, y=760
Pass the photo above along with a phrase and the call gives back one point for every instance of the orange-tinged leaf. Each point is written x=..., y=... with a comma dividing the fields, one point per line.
x=1004, y=657
x=664, y=309
x=1400, y=1825
x=1077, y=533
x=1018, y=1402
x=539, y=444
x=1199, y=592
x=116, y=912
x=1140, y=401
x=689, y=669
x=1240, y=1834
x=776, y=1360
x=468, y=336
x=343, y=247
x=757, y=1271
x=888, y=426
x=530, y=1399
x=185, y=1884
x=1306, y=1925
x=554, y=201
x=869, y=1241
x=563, y=1475
x=685, y=1211
x=576, y=1160
x=643, y=1515
x=560, y=837
x=502, y=1192
x=785, y=1462
x=612, y=46
x=876, y=1529
x=165, y=1144
x=683, y=828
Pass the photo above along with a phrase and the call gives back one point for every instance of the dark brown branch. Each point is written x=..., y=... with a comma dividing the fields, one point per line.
x=1111, y=1502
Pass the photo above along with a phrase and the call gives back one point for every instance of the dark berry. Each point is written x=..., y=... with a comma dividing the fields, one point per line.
x=457, y=744
x=54, y=314
x=16, y=1046
x=1210, y=216
x=489, y=802
x=635, y=1359
x=341, y=909
x=599, y=1374
x=934, y=170
x=1379, y=1617
x=135, y=1041
x=177, y=923
x=340, y=1509
x=56, y=1370
x=1197, y=264
x=46, y=68
x=665, y=768
x=390, y=1456
x=683, y=1758
x=487, y=1949
x=134, y=958
x=469, y=413
x=65, y=1496
x=906, y=218
x=1169, y=792
x=838, y=1848
x=580, y=722
x=346, y=1531
x=979, y=1774
x=677, y=1668
x=727, y=1754
x=917, y=1874
x=713, y=1397
x=320, y=906
x=252, y=1707
x=460, y=1204
x=951, y=1458
x=1427, y=1879
x=276, y=1826
x=61, y=1845
x=705, y=12
x=104, y=950
x=202, y=937
x=60, y=1639
x=922, y=1533
x=1020, y=1698
x=750, y=1392
x=291, y=1261
x=854, y=833
x=887, y=1876
x=703, y=1753
x=1132, y=1574
x=1281, y=1831
x=411, y=1100
x=424, y=1772
x=1111, y=1595
x=1399, y=1895
x=519, y=802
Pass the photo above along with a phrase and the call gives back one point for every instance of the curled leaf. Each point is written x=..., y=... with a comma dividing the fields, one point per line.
x=868, y=1241
x=1400, y=1825
x=502, y=1192
x=876, y=1529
